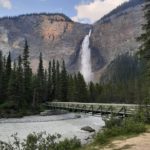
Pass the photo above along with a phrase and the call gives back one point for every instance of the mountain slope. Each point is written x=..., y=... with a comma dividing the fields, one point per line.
x=55, y=35
x=116, y=33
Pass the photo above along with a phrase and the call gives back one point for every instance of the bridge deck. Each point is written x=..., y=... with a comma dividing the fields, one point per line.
x=118, y=109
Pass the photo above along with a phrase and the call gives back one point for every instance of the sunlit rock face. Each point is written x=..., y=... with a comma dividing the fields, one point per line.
x=55, y=35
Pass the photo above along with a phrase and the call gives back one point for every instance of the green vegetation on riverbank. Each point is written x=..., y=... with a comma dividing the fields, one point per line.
x=116, y=129
x=42, y=141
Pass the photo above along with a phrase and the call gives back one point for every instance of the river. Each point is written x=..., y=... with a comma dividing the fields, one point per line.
x=67, y=125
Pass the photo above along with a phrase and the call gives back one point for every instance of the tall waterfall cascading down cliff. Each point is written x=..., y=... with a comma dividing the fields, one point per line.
x=86, y=65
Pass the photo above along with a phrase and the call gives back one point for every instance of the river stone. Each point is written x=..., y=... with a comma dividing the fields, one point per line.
x=88, y=129
x=78, y=116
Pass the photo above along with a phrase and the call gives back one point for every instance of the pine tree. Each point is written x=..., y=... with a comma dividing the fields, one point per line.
x=81, y=88
x=64, y=83
x=58, y=81
x=8, y=66
x=49, y=84
x=71, y=89
x=45, y=85
x=40, y=77
x=12, y=90
x=19, y=79
x=76, y=90
x=27, y=74
x=92, y=92
x=7, y=75
x=53, y=95
x=41, y=68
x=1, y=77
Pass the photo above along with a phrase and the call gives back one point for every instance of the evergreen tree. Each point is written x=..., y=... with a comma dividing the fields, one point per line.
x=92, y=92
x=81, y=88
x=19, y=80
x=27, y=74
x=49, y=84
x=40, y=75
x=41, y=68
x=71, y=89
x=7, y=75
x=12, y=90
x=64, y=82
x=8, y=66
x=57, y=81
x=1, y=77
x=53, y=95
x=45, y=85
x=15, y=88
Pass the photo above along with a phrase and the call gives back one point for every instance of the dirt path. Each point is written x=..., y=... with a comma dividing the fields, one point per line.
x=141, y=142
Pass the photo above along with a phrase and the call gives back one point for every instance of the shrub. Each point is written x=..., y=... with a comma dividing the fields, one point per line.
x=115, y=127
x=43, y=141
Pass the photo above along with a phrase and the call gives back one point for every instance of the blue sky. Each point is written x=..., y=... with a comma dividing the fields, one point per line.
x=79, y=10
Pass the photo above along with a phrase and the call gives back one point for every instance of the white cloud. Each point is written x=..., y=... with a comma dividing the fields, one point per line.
x=6, y=4
x=95, y=9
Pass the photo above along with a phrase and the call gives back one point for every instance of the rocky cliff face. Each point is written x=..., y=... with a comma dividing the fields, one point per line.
x=116, y=35
x=57, y=37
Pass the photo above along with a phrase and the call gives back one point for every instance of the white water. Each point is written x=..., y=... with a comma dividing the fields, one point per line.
x=86, y=65
x=67, y=125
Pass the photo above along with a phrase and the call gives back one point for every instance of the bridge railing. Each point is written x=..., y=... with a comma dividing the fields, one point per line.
x=120, y=109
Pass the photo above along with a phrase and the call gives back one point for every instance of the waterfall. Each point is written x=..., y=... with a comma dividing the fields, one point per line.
x=86, y=66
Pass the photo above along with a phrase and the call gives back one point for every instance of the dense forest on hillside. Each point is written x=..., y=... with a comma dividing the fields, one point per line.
x=121, y=80
x=128, y=77
x=38, y=14
x=22, y=90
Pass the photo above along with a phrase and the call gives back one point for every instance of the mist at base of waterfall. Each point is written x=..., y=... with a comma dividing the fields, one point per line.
x=86, y=65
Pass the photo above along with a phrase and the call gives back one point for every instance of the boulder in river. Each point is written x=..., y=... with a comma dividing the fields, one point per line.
x=78, y=116
x=88, y=129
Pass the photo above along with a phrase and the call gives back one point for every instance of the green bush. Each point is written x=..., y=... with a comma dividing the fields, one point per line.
x=101, y=138
x=113, y=122
x=71, y=144
x=43, y=141
x=131, y=126
x=127, y=126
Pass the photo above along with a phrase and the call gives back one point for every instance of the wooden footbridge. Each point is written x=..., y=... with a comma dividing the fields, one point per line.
x=96, y=108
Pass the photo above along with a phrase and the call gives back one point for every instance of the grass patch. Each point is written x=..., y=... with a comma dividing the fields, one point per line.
x=126, y=127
